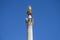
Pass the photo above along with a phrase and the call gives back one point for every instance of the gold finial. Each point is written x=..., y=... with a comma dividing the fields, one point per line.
x=29, y=10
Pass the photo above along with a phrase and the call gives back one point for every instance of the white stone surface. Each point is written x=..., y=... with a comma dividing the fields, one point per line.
x=30, y=32
x=29, y=16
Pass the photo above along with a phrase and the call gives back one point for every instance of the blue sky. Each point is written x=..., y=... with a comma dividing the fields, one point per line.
x=46, y=14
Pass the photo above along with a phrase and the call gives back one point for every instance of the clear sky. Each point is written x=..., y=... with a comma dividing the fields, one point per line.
x=46, y=14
